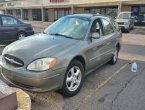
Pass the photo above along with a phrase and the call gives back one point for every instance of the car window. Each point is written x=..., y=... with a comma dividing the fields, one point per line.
x=0, y=21
x=97, y=27
x=8, y=20
x=124, y=16
x=115, y=24
x=108, y=28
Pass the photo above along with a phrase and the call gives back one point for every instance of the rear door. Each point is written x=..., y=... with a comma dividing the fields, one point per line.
x=109, y=39
x=0, y=28
x=9, y=28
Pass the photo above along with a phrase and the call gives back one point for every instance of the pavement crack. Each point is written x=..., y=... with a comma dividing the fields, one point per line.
x=124, y=87
x=101, y=85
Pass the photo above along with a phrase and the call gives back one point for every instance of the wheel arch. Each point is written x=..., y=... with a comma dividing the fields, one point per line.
x=21, y=31
x=81, y=59
x=118, y=45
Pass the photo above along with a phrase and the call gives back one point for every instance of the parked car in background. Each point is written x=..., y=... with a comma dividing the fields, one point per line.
x=125, y=21
x=12, y=29
x=61, y=56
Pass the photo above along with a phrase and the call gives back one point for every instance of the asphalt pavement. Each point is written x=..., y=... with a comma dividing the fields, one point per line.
x=109, y=87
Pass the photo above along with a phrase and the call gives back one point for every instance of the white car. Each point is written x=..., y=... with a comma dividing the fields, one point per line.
x=125, y=21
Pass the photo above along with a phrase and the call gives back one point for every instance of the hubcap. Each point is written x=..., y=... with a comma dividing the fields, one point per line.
x=115, y=55
x=73, y=79
x=21, y=36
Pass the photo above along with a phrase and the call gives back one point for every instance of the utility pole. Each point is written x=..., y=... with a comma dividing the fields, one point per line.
x=42, y=11
x=119, y=6
x=72, y=7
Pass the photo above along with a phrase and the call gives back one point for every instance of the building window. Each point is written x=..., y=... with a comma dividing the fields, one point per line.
x=36, y=15
x=25, y=14
x=111, y=11
x=9, y=12
x=139, y=15
x=18, y=14
x=58, y=13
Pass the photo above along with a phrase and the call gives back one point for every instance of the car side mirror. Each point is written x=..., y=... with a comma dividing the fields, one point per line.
x=95, y=35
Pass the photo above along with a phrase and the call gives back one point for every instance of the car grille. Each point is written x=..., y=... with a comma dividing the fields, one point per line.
x=22, y=85
x=120, y=23
x=14, y=61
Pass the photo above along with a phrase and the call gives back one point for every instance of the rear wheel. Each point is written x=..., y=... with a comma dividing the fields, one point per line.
x=21, y=35
x=73, y=79
x=115, y=56
x=128, y=30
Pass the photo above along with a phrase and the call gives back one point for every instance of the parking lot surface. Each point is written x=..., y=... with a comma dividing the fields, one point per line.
x=109, y=87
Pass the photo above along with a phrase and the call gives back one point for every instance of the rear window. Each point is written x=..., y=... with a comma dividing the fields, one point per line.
x=115, y=24
x=124, y=16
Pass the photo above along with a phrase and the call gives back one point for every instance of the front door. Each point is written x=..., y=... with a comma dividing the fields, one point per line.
x=109, y=38
x=96, y=45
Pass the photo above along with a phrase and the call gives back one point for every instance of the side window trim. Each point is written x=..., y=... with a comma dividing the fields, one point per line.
x=115, y=25
x=0, y=21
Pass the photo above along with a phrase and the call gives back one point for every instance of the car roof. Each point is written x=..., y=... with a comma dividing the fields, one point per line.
x=89, y=16
x=7, y=15
x=126, y=12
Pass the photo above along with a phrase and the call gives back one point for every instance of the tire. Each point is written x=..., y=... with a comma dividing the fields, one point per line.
x=73, y=80
x=128, y=30
x=132, y=27
x=114, y=59
x=21, y=35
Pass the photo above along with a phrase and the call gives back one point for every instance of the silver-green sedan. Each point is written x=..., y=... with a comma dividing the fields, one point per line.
x=61, y=56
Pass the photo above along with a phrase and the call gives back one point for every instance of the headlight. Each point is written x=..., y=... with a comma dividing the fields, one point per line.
x=42, y=64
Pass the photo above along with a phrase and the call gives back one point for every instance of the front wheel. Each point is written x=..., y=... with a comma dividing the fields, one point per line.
x=128, y=30
x=21, y=35
x=73, y=79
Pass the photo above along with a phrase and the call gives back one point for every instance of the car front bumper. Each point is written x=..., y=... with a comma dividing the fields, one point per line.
x=31, y=32
x=124, y=27
x=30, y=83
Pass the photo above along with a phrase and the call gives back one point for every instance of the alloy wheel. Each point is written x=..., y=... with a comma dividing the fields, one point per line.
x=73, y=78
x=21, y=36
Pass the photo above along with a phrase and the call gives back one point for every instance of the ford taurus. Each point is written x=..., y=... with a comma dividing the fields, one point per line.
x=61, y=56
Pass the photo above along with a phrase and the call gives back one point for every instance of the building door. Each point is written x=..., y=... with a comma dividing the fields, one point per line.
x=25, y=14
x=36, y=15
x=46, y=14
x=18, y=13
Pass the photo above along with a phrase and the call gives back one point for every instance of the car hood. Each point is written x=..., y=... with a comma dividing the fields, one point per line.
x=122, y=20
x=38, y=46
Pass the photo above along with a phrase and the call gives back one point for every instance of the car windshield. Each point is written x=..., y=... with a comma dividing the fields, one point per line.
x=124, y=15
x=70, y=27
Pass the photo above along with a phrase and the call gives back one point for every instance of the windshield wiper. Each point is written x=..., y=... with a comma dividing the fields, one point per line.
x=57, y=34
